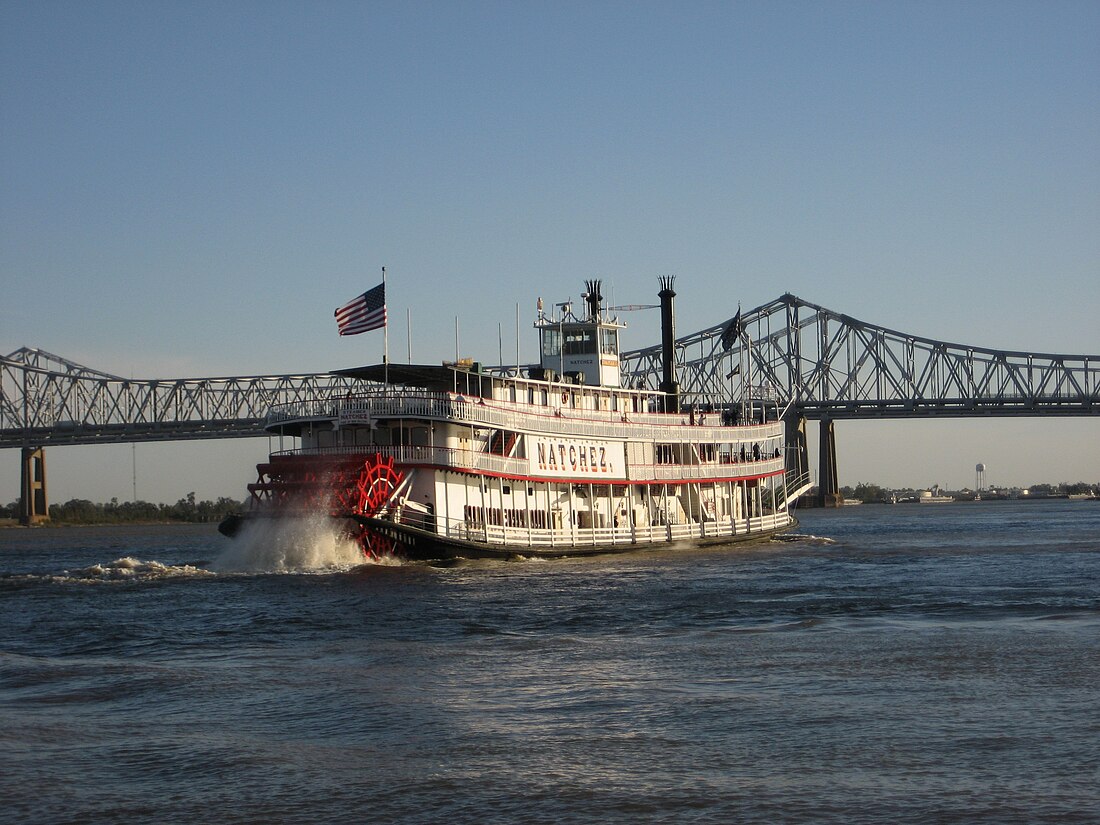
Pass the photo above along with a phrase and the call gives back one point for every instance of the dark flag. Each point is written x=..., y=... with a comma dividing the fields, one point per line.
x=733, y=331
x=364, y=313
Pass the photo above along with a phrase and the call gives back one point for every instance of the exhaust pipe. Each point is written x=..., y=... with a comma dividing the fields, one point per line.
x=593, y=298
x=670, y=386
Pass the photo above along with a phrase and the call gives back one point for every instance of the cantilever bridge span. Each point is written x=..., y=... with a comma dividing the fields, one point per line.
x=819, y=364
x=830, y=366
x=835, y=366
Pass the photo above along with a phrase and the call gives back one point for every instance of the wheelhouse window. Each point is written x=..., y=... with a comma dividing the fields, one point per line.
x=551, y=342
x=580, y=342
x=609, y=341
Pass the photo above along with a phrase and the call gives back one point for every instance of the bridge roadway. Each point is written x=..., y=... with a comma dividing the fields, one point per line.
x=830, y=366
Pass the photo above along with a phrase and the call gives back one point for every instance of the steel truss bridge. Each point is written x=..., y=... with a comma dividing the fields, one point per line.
x=49, y=400
x=827, y=365
x=830, y=366
x=834, y=366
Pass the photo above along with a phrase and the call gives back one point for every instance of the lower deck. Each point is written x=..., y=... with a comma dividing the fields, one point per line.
x=551, y=515
x=424, y=542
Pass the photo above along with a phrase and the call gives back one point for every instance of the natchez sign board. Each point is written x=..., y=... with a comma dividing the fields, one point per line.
x=580, y=459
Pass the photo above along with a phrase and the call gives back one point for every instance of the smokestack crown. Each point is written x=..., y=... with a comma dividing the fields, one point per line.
x=593, y=298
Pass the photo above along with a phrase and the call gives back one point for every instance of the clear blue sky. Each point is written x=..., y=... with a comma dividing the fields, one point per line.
x=189, y=189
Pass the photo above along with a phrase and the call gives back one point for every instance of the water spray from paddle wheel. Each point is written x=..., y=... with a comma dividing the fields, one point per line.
x=343, y=486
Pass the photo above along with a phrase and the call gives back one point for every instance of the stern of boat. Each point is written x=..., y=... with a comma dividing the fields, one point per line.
x=351, y=488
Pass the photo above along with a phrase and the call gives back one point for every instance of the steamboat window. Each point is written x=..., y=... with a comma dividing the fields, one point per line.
x=666, y=454
x=580, y=342
x=551, y=342
x=407, y=435
x=609, y=341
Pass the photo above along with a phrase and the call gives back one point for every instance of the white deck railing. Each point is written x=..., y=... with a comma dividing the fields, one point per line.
x=518, y=417
x=441, y=457
x=447, y=458
x=577, y=538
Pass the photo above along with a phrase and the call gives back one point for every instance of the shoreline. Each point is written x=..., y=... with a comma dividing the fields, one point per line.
x=14, y=524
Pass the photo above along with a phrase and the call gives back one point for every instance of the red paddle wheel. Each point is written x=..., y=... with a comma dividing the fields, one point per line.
x=343, y=486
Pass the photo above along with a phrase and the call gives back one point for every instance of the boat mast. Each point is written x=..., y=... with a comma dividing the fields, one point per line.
x=385, y=340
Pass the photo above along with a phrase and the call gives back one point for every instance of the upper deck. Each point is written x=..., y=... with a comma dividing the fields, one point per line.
x=527, y=406
x=711, y=452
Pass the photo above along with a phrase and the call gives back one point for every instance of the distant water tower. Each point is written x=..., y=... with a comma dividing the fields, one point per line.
x=979, y=471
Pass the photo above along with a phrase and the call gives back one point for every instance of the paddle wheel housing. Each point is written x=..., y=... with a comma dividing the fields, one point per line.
x=344, y=486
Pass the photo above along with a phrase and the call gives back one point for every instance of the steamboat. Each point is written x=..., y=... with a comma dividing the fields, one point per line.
x=561, y=458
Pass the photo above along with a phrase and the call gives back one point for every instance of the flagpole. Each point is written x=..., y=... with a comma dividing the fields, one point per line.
x=748, y=372
x=385, y=337
x=409, y=331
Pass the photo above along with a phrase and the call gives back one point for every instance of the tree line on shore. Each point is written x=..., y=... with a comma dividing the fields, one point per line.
x=873, y=493
x=82, y=511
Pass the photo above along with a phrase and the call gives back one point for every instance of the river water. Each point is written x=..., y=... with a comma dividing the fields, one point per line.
x=911, y=663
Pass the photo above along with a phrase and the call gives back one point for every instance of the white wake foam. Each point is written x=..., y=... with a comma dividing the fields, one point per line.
x=805, y=537
x=289, y=545
x=129, y=569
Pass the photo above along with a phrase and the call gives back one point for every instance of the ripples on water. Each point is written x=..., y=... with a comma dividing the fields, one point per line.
x=892, y=664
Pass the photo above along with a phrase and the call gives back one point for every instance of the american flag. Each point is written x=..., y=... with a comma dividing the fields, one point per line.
x=363, y=313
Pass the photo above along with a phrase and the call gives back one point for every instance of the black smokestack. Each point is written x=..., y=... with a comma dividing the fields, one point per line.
x=669, y=385
x=593, y=297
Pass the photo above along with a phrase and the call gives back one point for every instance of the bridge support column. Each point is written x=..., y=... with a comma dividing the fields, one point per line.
x=34, y=508
x=797, y=461
x=828, y=479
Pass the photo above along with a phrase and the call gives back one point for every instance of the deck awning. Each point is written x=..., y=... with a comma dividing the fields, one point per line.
x=437, y=378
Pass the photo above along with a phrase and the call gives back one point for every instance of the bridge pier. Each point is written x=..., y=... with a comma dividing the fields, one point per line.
x=797, y=459
x=34, y=507
x=828, y=478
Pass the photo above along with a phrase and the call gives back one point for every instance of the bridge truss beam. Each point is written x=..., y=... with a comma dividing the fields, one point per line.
x=834, y=366
x=45, y=399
